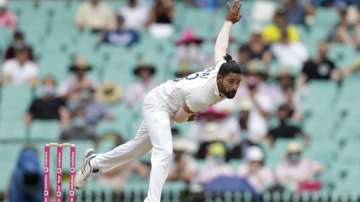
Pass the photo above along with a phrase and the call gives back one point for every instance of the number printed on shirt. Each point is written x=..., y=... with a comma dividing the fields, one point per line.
x=203, y=74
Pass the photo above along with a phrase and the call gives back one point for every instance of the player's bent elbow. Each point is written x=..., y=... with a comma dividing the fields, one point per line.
x=182, y=115
x=180, y=119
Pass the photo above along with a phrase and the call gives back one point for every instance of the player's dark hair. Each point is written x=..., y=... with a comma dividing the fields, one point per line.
x=230, y=66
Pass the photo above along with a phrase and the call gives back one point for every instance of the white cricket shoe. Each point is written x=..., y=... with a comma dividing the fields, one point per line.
x=82, y=175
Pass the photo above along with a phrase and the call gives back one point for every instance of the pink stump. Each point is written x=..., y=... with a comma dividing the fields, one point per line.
x=47, y=173
x=59, y=174
x=59, y=153
x=72, y=174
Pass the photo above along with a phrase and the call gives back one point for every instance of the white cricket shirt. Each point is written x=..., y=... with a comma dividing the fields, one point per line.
x=198, y=90
x=18, y=73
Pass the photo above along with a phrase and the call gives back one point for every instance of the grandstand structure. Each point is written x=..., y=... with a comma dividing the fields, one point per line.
x=332, y=112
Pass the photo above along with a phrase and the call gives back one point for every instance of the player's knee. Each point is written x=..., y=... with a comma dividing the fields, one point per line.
x=168, y=153
x=164, y=154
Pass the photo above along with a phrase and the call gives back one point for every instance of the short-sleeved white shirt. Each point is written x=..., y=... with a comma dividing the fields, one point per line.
x=198, y=90
x=135, y=18
x=70, y=82
x=260, y=179
x=294, y=173
x=19, y=73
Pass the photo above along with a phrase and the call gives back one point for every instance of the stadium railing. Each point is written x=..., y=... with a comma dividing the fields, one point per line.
x=184, y=196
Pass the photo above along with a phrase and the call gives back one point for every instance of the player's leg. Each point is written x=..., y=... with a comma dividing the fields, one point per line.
x=126, y=152
x=161, y=154
x=130, y=150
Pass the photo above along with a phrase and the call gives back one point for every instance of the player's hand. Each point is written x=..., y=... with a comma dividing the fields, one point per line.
x=233, y=12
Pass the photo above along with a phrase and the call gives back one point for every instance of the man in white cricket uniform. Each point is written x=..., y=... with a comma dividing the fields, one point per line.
x=175, y=100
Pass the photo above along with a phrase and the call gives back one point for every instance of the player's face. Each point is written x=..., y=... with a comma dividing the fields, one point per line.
x=229, y=84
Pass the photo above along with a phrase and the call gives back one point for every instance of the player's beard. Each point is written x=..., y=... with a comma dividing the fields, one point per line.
x=230, y=94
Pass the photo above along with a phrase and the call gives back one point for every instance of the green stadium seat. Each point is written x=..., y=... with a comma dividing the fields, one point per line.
x=45, y=130
x=325, y=153
x=348, y=186
x=105, y=145
x=119, y=71
x=348, y=129
x=343, y=55
x=348, y=97
x=54, y=43
x=14, y=102
x=316, y=35
x=34, y=29
x=183, y=127
x=176, y=188
x=275, y=68
x=202, y=25
x=320, y=96
x=119, y=126
x=13, y=130
x=326, y=17
x=124, y=123
x=350, y=154
x=5, y=39
x=314, y=126
x=55, y=63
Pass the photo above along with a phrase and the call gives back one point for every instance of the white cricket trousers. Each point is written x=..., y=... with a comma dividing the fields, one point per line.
x=153, y=134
